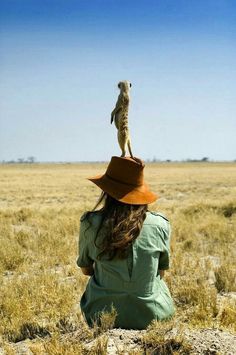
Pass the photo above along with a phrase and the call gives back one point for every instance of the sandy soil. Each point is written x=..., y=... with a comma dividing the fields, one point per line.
x=120, y=341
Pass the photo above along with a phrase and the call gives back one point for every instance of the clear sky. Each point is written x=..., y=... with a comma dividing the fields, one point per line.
x=61, y=60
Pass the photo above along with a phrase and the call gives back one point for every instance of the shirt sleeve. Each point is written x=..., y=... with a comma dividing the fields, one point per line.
x=84, y=259
x=164, y=259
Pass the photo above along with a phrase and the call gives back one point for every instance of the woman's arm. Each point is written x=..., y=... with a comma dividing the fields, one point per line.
x=84, y=257
x=88, y=271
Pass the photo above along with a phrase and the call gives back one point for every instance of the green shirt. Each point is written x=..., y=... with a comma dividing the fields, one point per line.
x=132, y=285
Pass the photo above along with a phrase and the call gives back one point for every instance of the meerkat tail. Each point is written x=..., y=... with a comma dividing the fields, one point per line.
x=129, y=148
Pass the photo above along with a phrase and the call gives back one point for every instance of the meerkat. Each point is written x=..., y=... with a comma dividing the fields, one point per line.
x=120, y=115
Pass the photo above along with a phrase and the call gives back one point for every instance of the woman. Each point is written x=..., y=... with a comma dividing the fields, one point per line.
x=125, y=249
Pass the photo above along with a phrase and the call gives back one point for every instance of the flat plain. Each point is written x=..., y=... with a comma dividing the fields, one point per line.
x=41, y=285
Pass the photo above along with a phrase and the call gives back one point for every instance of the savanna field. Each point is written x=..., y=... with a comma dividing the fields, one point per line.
x=41, y=285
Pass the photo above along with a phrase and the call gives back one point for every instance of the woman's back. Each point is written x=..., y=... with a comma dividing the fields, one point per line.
x=132, y=284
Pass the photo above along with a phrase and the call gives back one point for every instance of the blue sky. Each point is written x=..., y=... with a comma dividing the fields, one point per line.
x=60, y=63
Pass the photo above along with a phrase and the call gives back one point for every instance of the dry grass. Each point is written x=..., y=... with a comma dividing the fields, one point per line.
x=40, y=284
x=156, y=342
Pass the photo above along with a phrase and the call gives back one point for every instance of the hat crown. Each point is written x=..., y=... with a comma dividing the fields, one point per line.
x=124, y=181
x=126, y=170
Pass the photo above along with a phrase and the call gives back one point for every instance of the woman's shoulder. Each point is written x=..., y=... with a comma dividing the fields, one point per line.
x=92, y=217
x=157, y=219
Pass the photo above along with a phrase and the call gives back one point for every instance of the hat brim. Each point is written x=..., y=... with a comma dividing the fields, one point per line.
x=136, y=195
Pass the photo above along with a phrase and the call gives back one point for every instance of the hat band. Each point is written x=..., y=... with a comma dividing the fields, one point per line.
x=121, y=182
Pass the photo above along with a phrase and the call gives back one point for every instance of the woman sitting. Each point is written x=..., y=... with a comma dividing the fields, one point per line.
x=125, y=249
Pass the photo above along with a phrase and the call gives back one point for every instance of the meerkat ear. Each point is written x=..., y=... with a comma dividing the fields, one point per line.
x=119, y=85
x=130, y=84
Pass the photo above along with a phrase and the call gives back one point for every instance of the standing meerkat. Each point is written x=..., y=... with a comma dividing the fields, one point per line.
x=120, y=114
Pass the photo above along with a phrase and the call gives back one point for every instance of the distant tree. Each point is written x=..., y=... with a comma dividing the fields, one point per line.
x=205, y=159
x=20, y=160
x=31, y=159
x=192, y=160
x=154, y=159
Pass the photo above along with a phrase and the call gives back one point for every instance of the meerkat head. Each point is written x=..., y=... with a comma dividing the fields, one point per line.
x=124, y=85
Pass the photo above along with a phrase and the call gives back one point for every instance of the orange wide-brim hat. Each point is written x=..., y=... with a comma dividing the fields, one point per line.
x=124, y=181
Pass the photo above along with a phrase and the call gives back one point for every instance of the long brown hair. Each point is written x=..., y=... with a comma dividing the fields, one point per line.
x=121, y=224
